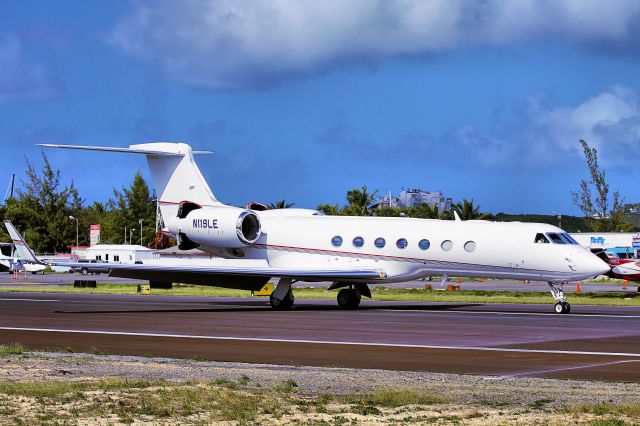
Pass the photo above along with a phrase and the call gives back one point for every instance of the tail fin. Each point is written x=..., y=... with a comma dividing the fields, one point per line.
x=24, y=251
x=176, y=176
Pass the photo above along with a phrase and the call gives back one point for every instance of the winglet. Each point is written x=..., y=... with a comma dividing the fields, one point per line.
x=24, y=251
x=456, y=217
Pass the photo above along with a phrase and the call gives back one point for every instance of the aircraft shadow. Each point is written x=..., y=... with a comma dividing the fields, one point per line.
x=265, y=307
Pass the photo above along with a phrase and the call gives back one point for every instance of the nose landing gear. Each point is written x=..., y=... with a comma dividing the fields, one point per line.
x=561, y=306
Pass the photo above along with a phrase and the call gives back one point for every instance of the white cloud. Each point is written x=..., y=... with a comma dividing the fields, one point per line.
x=19, y=78
x=238, y=43
x=607, y=120
x=547, y=136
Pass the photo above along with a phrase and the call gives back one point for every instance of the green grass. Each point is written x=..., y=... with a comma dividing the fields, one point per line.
x=379, y=293
x=11, y=349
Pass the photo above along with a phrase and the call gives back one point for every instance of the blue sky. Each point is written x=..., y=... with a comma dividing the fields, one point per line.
x=303, y=100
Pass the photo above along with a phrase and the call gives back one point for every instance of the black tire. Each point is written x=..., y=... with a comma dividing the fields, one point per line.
x=84, y=271
x=567, y=307
x=558, y=308
x=348, y=298
x=283, y=304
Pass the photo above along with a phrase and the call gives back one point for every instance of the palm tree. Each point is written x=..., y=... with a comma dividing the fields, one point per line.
x=360, y=201
x=466, y=210
x=329, y=209
x=426, y=211
x=281, y=204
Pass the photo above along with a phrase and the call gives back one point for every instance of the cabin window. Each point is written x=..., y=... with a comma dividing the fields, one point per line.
x=446, y=245
x=470, y=246
x=336, y=241
x=424, y=244
x=358, y=241
x=556, y=238
x=106, y=257
x=541, y=239
x=99, y=257
x=401, y=243
x=379, y=242
x=116, y=258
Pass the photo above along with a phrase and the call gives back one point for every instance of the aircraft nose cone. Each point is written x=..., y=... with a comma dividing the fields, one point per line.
x=597, y=266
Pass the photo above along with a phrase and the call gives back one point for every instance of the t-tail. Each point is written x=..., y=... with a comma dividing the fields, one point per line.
x=26, y=255
x=176, y=176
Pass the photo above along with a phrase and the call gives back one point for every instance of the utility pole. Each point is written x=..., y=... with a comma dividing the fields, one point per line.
x=140, y=221
x=125, y=235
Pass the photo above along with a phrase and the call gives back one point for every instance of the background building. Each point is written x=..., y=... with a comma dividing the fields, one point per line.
x=623, y=244
x=414, y=198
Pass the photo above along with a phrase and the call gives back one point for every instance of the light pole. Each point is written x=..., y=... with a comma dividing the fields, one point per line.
x=130, y=235
x=125, y=235
x=140, y=222
x=559, y=219
x=73, y=218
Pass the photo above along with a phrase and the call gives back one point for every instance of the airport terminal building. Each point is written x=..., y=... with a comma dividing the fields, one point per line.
x=623, y=244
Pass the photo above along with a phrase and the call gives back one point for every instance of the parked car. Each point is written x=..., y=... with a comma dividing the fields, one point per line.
x=93, y=267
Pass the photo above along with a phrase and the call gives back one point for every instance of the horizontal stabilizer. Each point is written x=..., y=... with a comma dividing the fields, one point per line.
x=134, y=149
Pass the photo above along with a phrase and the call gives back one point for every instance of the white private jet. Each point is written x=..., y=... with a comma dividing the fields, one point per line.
x=352, y=252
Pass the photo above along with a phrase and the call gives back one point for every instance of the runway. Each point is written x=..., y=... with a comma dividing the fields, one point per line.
x=600, y=343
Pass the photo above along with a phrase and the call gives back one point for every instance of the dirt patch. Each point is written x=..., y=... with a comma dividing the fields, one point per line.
x=38, y=387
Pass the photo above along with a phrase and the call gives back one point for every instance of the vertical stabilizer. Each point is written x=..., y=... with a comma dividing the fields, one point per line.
x=176, y=177
x=24, y=251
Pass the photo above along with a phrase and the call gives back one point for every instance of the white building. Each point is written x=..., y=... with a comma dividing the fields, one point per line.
x=123, y=253
x=623, y=244
x=416, y=197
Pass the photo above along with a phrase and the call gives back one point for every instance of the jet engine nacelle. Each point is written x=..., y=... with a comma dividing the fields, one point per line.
x=224, y=227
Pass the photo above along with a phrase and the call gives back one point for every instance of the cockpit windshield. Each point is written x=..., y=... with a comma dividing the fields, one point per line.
x=561, y=238
x=541, y=239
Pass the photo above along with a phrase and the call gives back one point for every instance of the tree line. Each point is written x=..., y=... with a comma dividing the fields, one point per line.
x=45, y=211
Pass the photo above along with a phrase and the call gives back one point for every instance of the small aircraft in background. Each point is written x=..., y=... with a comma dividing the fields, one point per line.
x=253, y=246
x=624, y=269
x=16, y=257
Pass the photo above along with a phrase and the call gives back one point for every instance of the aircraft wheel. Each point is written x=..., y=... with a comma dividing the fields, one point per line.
x=84, y=271
x=348, y=298
x=562, y=308
x=283, y=304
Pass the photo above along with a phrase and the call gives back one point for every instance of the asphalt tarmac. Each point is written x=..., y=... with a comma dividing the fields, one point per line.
x=595, y=343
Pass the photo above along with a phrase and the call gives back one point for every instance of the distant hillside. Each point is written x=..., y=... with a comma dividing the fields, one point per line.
x=569, y=223
x=633, y=219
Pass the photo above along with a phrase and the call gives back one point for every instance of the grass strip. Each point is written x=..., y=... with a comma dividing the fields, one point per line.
x=611, y=298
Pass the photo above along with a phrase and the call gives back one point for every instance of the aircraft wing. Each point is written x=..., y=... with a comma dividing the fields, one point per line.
x=201, y=273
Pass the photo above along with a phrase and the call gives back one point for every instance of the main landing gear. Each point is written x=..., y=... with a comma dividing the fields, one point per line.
x=561, y=306
x=282, y=297
x=349, y=297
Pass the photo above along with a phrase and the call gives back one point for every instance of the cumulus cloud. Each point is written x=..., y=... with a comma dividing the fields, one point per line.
x=242, y=43
x=609, y=121
x=19, y=78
